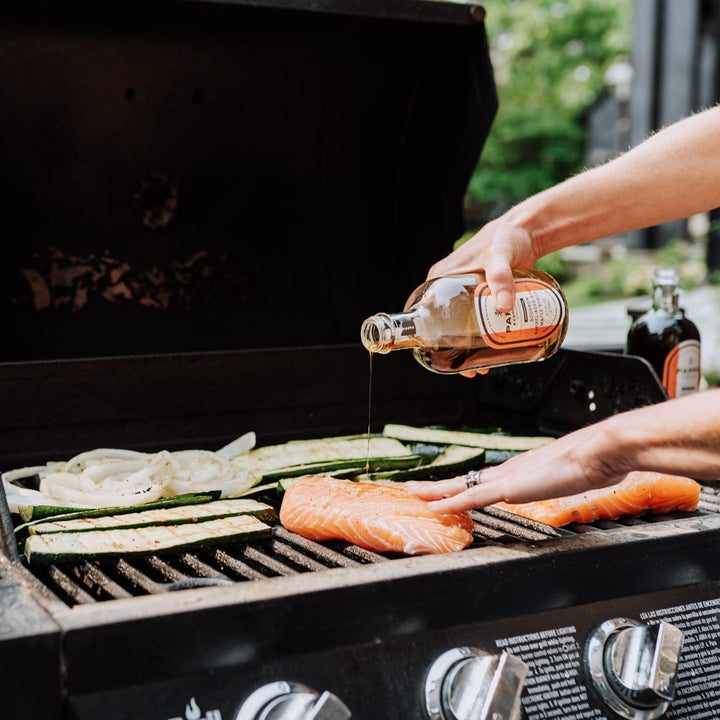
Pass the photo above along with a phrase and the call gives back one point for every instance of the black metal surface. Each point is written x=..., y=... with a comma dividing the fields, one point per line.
x=573, y=389
x=246, y=641
x=183, y=626
x=192, y=176
x=50, y=410
x=197, y=197
x=30, y=648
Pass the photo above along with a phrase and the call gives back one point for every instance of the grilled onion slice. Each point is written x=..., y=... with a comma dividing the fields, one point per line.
x=115, y=483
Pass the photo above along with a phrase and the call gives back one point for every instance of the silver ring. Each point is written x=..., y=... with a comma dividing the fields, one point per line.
x=473, y=478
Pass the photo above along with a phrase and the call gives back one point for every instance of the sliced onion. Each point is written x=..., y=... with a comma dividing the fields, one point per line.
x=240, y=445
x=29, y=498
x=199, y=470
x=100, y=455
x=117, y=471
x=238, y=485
x=23, y=472
x=144, y=485
x=203, y=471
x=114, y=477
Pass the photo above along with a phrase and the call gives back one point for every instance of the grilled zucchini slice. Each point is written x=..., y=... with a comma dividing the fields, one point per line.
x=454, y=460
x=29, y=513
x=60, y=547
x=489, y=441
x=159, y=516
x=323, y=456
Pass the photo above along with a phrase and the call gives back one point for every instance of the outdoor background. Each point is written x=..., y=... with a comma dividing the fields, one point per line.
x=579, y=81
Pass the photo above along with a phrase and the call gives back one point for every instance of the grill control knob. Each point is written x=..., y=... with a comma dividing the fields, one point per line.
x=468, y=684
x=292, y=701
x=634, y=666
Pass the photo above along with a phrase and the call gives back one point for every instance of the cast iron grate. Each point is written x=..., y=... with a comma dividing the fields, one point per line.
x=286, y=554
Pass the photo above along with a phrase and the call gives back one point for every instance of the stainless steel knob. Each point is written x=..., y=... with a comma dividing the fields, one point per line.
x=292, y=701
x=634, y=666
x=468, y=684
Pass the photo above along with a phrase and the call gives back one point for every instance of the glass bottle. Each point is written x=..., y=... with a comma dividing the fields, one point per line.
x=668, y=340
x=451, y=325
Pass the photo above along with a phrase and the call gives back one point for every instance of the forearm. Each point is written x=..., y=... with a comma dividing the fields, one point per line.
x=673, y=174
x=680, y=436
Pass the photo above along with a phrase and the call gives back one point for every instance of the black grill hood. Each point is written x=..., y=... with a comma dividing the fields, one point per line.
x=193, y=176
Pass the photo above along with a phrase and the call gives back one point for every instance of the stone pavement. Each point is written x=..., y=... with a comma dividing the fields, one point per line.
x=605, y=325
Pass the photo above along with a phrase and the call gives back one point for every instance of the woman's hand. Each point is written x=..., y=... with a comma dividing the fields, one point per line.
x=574, y=463
x=496, y=249
x=679, y=436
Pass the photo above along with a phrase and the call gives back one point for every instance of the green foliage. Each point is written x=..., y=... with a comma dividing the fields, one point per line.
x=610, y=279
x=559, y=268
x=549, y=60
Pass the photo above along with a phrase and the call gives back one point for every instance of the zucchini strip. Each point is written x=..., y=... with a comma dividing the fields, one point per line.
x=489, y=441
x=33, y=513
x=453, y=461
x=331, y=467
x=72, y=546
x=324, y=455
x=159, y=516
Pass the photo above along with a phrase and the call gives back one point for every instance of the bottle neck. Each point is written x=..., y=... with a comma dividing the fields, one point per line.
x=666, y=290
x=666, y=297
x=384, y=332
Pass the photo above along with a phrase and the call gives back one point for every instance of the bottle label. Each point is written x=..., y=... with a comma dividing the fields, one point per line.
x=538, y=312
x=681, y=369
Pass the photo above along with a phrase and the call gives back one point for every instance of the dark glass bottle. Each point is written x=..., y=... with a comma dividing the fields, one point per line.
x=668, y=340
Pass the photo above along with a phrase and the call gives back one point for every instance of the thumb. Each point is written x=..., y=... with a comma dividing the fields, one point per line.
x=501, y=282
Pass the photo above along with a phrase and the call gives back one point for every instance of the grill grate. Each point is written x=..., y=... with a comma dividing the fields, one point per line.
x=286, y=554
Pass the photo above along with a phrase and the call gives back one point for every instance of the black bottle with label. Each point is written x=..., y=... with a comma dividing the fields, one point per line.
x=668, y=340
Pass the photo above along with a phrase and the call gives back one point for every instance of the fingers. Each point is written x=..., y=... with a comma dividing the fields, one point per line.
x=435, y=489
x=453, y=495
x=476, y=497
x=473, y=373
x=501, y=282
x=495, y=250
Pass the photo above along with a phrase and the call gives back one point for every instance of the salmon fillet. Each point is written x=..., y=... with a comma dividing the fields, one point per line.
x=639, y=492
x=375, y=517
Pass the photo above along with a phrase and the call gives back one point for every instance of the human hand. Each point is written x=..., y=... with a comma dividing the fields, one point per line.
x=572, y=464
x=495, y=250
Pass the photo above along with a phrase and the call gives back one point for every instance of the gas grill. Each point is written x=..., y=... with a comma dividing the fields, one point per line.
x=196, y=179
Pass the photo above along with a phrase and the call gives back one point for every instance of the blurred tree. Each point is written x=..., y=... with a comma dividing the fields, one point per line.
x=549, y=59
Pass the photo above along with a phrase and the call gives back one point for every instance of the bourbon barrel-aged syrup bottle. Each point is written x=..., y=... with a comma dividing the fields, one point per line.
x=451, y=325
x=668, y=340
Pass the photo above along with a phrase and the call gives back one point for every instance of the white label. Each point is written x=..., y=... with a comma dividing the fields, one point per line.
x=538, y=312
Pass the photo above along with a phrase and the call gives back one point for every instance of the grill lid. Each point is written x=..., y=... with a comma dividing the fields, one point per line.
x=191, y=176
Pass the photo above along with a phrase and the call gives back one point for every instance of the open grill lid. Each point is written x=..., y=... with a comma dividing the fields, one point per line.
x=186, y=176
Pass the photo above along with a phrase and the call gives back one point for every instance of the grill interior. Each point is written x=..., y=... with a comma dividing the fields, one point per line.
x=286, y=554
x=290, y=394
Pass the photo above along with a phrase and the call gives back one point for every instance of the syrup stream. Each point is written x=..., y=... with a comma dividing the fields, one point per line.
x=367, y=456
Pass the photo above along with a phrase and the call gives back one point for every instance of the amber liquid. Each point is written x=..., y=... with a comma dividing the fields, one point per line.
x=367, y=455
x=458, y=343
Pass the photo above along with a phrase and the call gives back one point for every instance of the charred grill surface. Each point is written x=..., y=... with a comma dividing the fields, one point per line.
x=286, y=554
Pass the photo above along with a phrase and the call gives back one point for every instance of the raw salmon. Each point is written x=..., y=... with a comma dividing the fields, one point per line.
x=376, y=517
x=639, y=492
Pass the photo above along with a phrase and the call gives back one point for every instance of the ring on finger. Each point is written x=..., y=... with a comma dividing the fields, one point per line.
x=473, y=478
